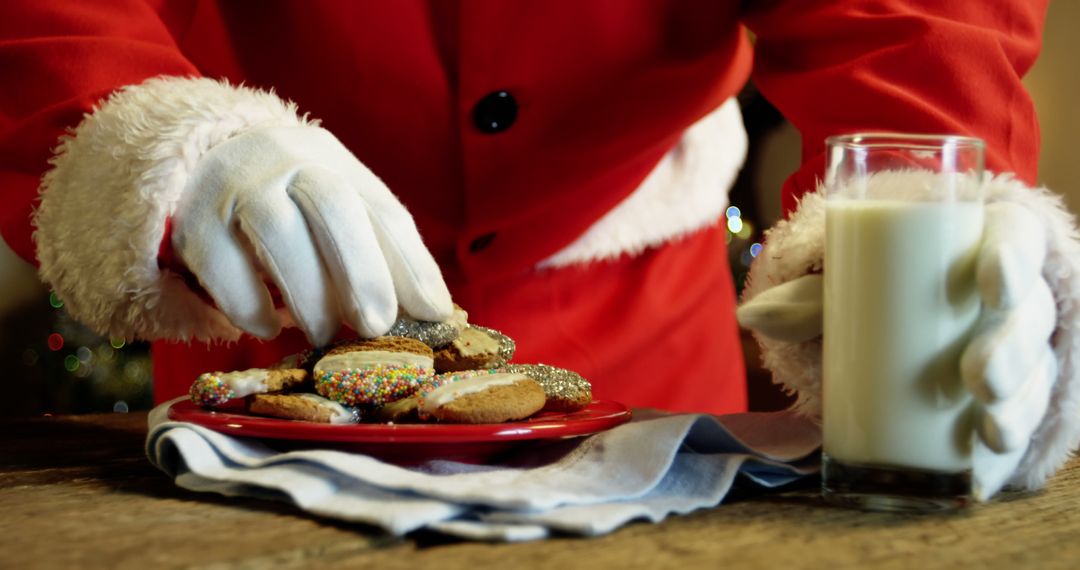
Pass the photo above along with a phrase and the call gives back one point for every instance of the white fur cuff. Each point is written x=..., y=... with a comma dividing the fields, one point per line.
x=685, y=192
x=114, y=182
x=796, y=246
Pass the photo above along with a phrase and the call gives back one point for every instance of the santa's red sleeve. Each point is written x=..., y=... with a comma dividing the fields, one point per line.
x=101, y=121
x=57, y=60
x=916, y=66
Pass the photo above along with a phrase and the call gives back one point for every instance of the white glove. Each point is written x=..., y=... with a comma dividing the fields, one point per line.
x=1009, y=365
x=293, y=204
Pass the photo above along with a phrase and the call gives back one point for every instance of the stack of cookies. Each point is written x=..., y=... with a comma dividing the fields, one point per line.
x=450, y=372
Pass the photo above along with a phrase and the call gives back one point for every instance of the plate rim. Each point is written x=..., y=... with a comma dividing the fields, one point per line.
x=598, y=416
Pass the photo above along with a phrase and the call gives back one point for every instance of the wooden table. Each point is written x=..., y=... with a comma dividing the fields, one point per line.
x=77, y=492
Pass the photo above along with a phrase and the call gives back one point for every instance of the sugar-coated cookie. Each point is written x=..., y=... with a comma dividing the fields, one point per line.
x=433, y=334
x=477, y=348
x=481, y=397
x=373, y=372
x=566, y=390
x=303, y=407
x=215, y=388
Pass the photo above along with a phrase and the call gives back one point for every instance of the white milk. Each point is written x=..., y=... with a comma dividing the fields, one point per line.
x=900, y=304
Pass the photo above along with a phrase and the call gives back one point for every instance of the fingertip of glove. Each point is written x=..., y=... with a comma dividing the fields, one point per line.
x=431, y=305
x=373, y=323
x=789, y=323
x=746, y=315
x=1001, y=433
x=322, y=334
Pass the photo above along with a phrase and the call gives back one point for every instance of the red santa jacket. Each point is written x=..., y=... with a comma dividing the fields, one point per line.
x=509, y=129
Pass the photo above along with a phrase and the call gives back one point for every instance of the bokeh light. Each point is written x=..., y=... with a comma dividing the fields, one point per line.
x=105, y=353
x=745, y=230
x=734, y=225
x=745, y=258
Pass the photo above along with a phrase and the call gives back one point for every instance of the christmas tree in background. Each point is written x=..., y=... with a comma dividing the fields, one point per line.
x=68, y=369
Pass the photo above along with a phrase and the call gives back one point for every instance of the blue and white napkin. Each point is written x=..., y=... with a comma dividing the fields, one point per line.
x=646, y=469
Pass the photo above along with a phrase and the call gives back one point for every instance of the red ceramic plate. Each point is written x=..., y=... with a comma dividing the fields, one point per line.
x=408, y=443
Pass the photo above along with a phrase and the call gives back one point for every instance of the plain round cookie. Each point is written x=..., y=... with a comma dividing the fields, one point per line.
x=302, y=407
x=403, y=411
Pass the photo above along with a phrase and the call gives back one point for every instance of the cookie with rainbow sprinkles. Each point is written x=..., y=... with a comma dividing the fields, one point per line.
x=212, y=389
x=373, y=372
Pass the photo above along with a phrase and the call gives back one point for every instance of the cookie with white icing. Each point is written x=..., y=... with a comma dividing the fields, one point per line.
x=302, y=407
x=215, y=388
x=477, y=348
x=481, y=397
x=373, y=372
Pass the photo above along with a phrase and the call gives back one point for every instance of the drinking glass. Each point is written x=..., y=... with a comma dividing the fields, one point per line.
x=904, y=217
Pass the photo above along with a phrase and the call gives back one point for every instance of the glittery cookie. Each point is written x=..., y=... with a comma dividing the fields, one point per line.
x=477, y=347
x=215, y=388
x=303, y=407
x=481, y=397
x=566, y=390
x=373, y=372
x=433, y=334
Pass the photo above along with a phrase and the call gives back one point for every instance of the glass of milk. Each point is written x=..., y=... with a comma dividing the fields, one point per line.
x=903, y=221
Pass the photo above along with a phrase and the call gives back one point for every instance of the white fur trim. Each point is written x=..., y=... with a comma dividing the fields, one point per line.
x=685, y=192
x=115, y=180
x=792, y=248
x=795, y=247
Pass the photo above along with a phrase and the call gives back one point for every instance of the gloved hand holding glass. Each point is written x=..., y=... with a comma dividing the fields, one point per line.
x=936, y=323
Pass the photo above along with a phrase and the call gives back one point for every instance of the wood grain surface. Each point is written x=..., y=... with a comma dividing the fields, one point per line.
x=77, y=492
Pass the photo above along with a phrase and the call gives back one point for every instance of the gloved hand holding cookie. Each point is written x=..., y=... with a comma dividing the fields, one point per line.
x=448, y=371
